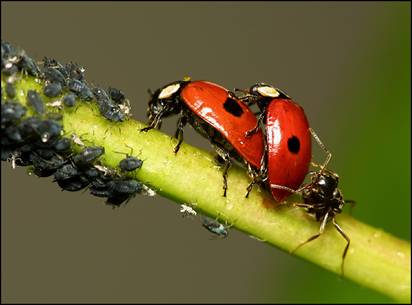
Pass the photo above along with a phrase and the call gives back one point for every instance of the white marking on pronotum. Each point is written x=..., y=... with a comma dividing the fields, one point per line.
x=168, y=91
x=268, y=91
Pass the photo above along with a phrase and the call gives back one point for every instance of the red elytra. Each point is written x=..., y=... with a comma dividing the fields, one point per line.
x=224, y=112
x=289, y=145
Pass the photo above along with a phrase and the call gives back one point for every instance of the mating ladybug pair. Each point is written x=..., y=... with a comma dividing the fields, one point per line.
x=277, y=156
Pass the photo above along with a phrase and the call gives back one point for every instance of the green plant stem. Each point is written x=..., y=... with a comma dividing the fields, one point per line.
x=375, y=259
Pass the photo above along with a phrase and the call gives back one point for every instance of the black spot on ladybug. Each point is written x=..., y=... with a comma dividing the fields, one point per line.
x=293, y=144
x=233, y=107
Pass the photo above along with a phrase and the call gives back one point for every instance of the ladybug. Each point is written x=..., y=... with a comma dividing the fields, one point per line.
x=215, y=113
x=324, y=200
x=288, y=137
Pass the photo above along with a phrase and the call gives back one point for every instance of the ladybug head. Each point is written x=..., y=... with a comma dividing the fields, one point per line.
x=264, y=90
x=164, y=101
x=262, y=94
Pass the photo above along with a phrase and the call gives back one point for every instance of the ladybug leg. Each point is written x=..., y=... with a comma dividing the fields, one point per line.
x=328, y=153
x=345, y=251
x=321, y=229
x=255, y=129
x=155, y=123
x=227, y=163
x=261, y=176
x=179, y=132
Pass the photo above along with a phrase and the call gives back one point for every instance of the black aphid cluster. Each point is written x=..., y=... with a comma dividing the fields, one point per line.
x=37, y=140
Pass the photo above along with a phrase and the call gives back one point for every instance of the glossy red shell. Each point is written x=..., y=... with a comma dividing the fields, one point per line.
x=288, y=161
x=210, y=102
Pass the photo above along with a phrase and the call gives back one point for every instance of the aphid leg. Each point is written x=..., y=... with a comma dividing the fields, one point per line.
x=328, y=153
x=179, y=132
x=321, y=229
x=340, y=230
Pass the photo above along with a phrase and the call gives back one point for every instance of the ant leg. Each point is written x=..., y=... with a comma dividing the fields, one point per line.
x=321, y=229
x=340, y=230
x=285, y=188
x=328, y=153
x=353, y=204
x=179, y=132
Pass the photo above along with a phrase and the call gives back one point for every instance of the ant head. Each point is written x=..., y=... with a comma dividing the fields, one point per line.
x=326, y=182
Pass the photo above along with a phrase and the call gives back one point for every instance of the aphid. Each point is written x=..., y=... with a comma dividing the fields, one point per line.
x=62, y=145
x=92, y=173
x=10, y=90
x=28, y=64
x=35, y=101
x=53, y=75
x=122, y=190
x=52, y=89
x=80, y=88
x=11, y=112
x=45, y=153
x=214, y=112
x=116, y=95
x=73, y=184
x=87, y=156
x=187, y=210
x=75, y=71
x=129, y=186
x=13, y=133
x=48, y=130
x=130, y=164
x=28, y=129
x=43, y=167
x=107, y=107
x=324, y=200
x=119, y=98
x=66, y=171
x=69, y=100
x=215, y=227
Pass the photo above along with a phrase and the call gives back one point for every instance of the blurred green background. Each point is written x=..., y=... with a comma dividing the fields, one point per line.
x=348, y=64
